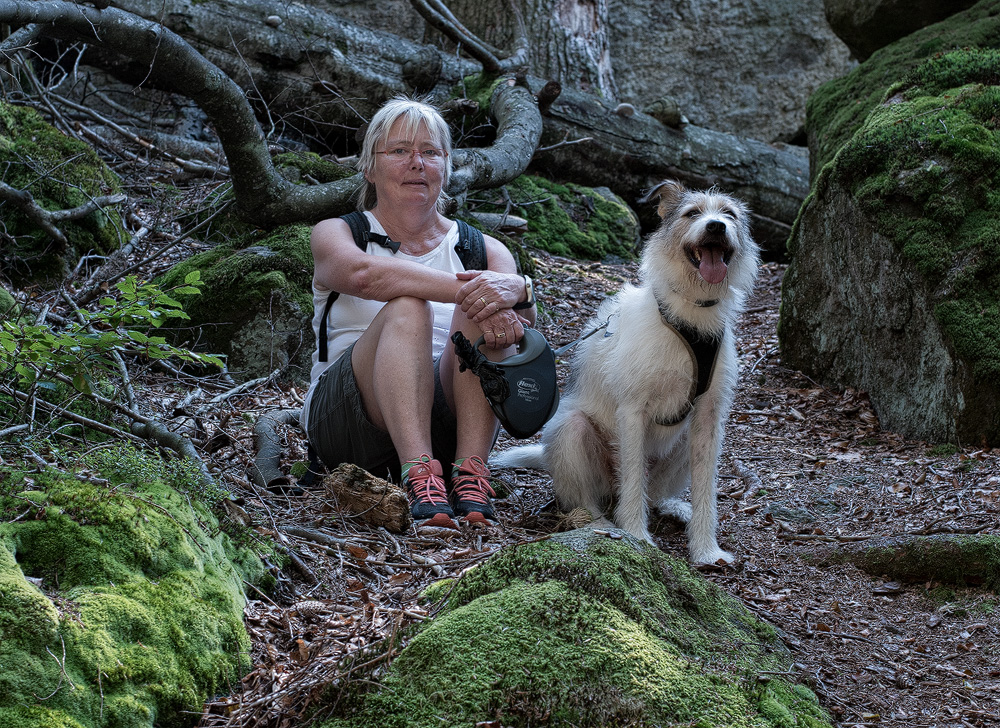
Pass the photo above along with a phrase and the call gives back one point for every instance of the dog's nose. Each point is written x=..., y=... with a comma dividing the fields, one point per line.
x=716, y=227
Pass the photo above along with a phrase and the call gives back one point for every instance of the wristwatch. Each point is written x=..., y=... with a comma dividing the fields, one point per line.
x=530, y=300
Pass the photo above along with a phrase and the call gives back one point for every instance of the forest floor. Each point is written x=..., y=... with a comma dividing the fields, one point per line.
x=805, y=470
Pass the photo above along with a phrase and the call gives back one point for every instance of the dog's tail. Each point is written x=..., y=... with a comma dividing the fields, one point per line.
x=522, y=456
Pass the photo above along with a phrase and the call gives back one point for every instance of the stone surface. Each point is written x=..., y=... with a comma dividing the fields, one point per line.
x=738, y=67
x=894, y=286
x=867, y=25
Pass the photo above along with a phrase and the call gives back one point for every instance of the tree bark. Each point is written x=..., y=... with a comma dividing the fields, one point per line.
x=630, y=154
x=333, y=74
x=568, y=38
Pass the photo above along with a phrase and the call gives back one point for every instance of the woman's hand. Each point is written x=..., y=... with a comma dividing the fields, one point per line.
x=502, y=329
x=487, y=293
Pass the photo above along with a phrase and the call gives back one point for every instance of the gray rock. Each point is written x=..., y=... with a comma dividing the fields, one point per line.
x=867, y=25
x=855, y=312
x=743, y=68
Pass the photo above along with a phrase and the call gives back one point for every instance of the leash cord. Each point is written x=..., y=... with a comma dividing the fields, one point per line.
x=570, y=345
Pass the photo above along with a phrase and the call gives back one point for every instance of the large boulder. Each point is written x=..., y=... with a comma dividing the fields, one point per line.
x=589, y=629
x=867, y=25
x=894, y=285
x=60, y=173
x=733, y=66
x=121, y=603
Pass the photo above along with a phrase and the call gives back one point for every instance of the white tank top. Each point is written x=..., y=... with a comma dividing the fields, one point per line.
x=350, y=316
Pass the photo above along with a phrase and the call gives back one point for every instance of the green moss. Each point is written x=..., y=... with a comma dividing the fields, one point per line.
x=925, y=167
x=139, y=614
x=296, y=165
x=572, y=220
x=241, y=277
x=839, y=108
x=588, y=632
x=60, y=173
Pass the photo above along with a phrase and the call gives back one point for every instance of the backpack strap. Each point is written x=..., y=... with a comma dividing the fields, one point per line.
x=471, y=249
x=361, y=230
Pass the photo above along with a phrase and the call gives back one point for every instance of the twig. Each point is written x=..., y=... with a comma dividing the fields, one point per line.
x=564, y=143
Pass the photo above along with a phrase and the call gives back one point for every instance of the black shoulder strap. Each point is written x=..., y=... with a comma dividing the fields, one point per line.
x=471, y=249
x=361, y=230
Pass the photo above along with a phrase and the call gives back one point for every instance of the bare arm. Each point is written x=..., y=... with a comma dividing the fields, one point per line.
x=340, y=265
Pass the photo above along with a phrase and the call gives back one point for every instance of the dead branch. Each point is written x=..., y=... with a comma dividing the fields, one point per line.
x=262, y=195
x=495, y=61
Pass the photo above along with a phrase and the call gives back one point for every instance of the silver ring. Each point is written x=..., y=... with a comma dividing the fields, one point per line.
x=501, y=334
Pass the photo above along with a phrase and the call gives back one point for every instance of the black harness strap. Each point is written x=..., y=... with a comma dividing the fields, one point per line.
x=704, y=352
x=471, y=249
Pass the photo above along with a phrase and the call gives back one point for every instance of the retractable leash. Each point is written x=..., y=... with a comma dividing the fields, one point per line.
x=521, y=389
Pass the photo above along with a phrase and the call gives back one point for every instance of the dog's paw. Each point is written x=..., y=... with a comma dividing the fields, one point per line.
x=676, y=508
x=709, y=556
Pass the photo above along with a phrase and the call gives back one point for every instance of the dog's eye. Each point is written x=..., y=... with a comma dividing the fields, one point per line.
x=691, y=213
x=728, y=213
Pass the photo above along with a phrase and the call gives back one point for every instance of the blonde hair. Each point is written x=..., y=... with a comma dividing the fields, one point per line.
x=414, y=113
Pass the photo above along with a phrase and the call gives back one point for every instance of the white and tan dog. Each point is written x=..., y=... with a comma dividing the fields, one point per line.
x=648, y=400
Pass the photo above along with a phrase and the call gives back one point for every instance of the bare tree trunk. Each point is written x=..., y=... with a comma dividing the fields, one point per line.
x=568, y=38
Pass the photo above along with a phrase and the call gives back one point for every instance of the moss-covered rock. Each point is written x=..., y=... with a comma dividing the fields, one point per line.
x=586, y=630
x=572, y=220
x=839, y=108
x=957, y=560
x=120, y=604
x=60, y=173
x=895, y=281
x=256, y=301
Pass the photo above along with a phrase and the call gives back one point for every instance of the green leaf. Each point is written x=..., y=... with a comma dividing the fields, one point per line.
x=193, y=277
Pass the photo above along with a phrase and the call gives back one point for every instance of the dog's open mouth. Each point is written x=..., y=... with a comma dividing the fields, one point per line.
x=711, y=260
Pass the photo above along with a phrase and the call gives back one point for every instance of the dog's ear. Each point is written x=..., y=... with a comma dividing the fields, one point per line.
x=670, y=193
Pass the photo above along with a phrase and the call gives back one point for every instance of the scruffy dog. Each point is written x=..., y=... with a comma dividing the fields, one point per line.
x=648, y=401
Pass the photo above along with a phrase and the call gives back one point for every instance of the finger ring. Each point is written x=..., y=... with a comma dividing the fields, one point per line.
x=484, y=302
x=501, y=334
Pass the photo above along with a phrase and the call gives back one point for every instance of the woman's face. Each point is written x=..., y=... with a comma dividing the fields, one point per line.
x=408, y=170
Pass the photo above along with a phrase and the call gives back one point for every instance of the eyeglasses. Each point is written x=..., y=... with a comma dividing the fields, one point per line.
x=429, y=155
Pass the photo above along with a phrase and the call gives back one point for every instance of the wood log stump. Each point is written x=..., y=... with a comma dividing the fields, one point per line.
x=375, y=501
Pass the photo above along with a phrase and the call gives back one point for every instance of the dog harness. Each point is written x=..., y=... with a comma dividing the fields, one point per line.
x=704, y=352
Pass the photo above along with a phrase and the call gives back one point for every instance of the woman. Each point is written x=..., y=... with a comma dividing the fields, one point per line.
x=390, y=397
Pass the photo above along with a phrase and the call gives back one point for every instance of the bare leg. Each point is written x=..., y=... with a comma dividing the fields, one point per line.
x=394, y=370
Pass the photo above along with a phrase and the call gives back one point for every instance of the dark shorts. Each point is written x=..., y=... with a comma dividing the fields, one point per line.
x=340, y=431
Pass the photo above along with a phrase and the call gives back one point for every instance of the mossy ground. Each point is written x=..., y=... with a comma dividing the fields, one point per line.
x=138, y=616
x=60, y=173
x=925, y=167
x=571, y=220
x=612, y=634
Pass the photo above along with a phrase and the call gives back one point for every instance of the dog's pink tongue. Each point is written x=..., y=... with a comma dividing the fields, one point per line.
x=712, y=267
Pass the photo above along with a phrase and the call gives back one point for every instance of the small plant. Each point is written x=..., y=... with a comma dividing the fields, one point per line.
x=944, y=450
x=40, y=357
